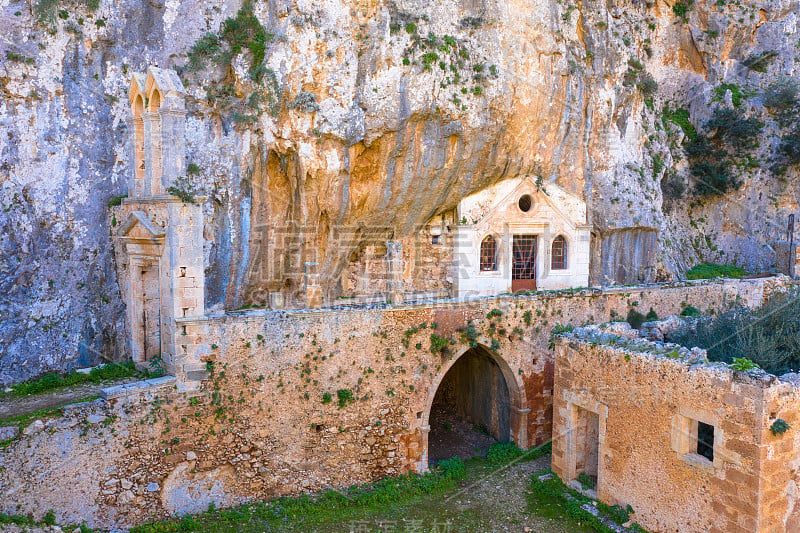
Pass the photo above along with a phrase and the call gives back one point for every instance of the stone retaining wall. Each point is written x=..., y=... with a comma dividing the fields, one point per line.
x=256, y=411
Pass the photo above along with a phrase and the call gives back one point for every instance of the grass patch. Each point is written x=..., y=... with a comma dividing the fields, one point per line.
x=422, y=499
x=505, y=452
x=549, y=498
x=49, y=519
x=302, y=513
x=101, y=374
x=712, y=270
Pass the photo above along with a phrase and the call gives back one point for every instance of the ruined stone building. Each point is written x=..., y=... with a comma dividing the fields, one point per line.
x=690, y=445
x=317, y=383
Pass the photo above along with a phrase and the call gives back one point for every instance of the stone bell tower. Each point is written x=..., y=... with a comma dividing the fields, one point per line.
x=159, y=242
x=159, y=137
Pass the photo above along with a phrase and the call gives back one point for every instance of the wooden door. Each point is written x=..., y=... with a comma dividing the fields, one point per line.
x=523, y=269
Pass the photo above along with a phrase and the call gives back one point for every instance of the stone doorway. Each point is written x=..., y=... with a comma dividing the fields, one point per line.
x=147, y=326
x=471, y=408
x=587, y=443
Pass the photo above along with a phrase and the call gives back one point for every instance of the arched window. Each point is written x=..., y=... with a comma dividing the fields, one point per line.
x=488, y=254
x=155, y=101
x=558, y=259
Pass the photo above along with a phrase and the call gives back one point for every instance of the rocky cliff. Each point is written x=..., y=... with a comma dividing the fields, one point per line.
x=311, y=121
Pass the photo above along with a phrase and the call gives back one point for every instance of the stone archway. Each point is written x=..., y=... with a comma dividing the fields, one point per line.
x=477, y=391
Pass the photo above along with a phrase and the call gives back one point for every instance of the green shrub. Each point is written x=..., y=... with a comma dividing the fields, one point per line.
x=728, y=135
x=647, y=85
x=428, y=59
x=712, y=270
x=344, y=396
x=737, y=96
x=743, y=364
x=245, y=31
x=471, y=335
x=779, y=427
x=439, y=343
x=635, y=318
x=306, y=102
x=19, y=58
x=558, y=330
x=586, y=481
x=713, y=179
x=789, y=148
x=452, y=468
x=658, y=165
x=680, y=117
x=527, y=317
x=651, y=316
x=768, y=336
x=206, y=49
x=781, y=96
x=217, y=49
x=681, y=9
x=690, y=312
x=184, y=194
x=760, y=62
x=116, y=200
x=326, y=397
x=732, y=128
x=673, y=187
x=47, y=12
x=471, y=22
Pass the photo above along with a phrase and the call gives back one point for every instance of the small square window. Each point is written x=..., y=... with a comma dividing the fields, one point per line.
x=695, y=440
x=705, y=440
x=435, y=239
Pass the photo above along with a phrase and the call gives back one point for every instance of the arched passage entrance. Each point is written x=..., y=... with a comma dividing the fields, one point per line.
x=476, y=401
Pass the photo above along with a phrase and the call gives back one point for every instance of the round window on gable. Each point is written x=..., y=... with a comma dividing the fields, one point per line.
x=525, y=202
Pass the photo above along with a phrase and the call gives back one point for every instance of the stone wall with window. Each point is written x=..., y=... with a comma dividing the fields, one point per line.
x=689, y=445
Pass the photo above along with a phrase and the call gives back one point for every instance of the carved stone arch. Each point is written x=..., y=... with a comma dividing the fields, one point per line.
x=517, y=412
x=154, y=100
x=138, y=106
x=137, y=89
x=137, y=146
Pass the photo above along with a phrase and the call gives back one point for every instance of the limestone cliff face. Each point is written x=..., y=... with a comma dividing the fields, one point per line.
x=374, y=117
